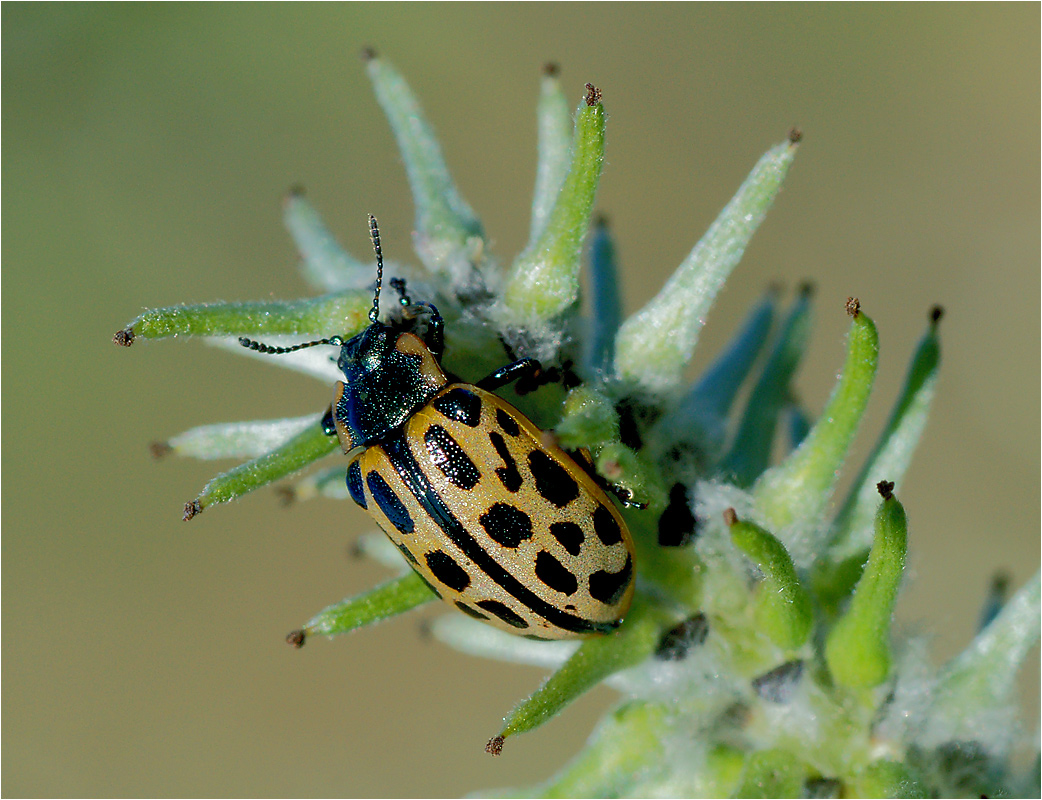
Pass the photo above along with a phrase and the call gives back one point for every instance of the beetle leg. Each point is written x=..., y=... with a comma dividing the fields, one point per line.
x=398, y=284
x=519, y=370
x=328, y=426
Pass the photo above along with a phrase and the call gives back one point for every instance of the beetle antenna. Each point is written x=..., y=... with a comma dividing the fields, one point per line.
x=260, y=347
x=374, y=234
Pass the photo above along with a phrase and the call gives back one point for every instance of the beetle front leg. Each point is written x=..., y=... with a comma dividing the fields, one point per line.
x=328, y=426
x=519, y=370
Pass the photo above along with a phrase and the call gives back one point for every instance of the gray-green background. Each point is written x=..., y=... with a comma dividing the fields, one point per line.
x=146, y=150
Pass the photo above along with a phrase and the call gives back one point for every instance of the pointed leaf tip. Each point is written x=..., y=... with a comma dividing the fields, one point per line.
x=799, y=488
x=495, y=746
x=445, y=222
x=655, y=345
x=544, y=279
x=389, y=599
x=857, y=649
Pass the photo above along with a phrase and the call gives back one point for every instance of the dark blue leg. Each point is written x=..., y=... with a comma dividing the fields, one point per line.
x=524, y=368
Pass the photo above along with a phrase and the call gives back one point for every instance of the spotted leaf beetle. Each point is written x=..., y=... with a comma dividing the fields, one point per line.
x=495, y=517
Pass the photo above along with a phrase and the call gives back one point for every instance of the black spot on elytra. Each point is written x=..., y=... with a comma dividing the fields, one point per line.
x=472, y=612
x=354, y=483
x=497, y=609
x=461, y=405
x=506, y=524
x=554, y=574
x=677, y=525
x=389, y=503
x=609, y=586
x=569, y=534
x=690, y=633
x=447, y=571
x=508, y=475
x=507, y=423
x=606, y=527
x=552, y=480
x=449, y=457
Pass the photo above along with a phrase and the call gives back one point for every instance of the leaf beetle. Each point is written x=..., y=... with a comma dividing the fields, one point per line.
x=495, y=517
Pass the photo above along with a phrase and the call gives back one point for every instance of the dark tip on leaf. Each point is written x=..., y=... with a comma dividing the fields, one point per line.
x=296, y=190
x=822, y=788
x=779, y=684
x=191, y=509
x=795, y=135
x=287, y=495
x=677, y=526
x=886, y=489
x=936, y=313
x=368, y=53
x=159, y=449
x=806, y=289
x=495, y=745
x=593, y=95
x=551, y=69
x=678, y=641
x=600, y=220
x=1000, y=582
x=853, y=307
x=730, y=517
x=296, y=639
x=123, y=338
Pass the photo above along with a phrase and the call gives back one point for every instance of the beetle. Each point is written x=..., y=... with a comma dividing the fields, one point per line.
x=492, y=514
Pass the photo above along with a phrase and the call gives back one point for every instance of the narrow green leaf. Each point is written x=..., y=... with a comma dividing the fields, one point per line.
x=233, y=439
x=750, y=451
x=857, y=649
x=341, y=313
x=304, y=448
x=627, y=743
x=655, y=344
x=596, y=659
x=544, y=280
x=588, y=417
x=389, y=599
x=998, y=594
x=324, y=262
x=799, y=488
x=783, y=608
x=799, y=424
x=707, y=405
x=445, y=223
x=555, y=139
x=885, y=778
x=893, y=451
x=982, y=677
x=605, y=304
x=773, y=773
x=723, y=771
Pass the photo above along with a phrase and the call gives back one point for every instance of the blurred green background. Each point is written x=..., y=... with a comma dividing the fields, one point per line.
x=147, y=149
